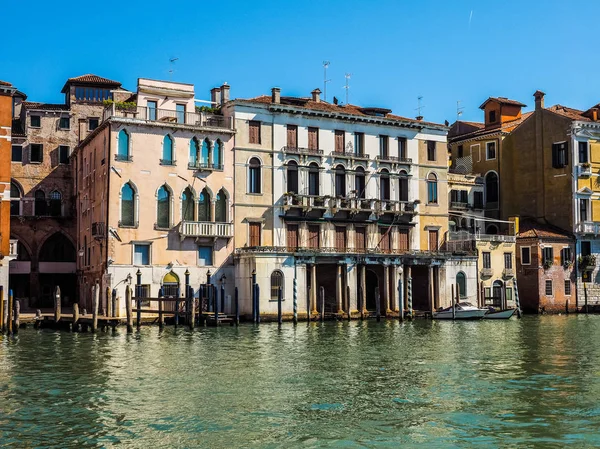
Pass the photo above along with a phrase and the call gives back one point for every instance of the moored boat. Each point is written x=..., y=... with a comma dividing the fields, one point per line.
x=463, y=311
x=500, y=314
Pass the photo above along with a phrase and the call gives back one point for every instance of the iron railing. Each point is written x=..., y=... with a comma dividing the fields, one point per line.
x=300, y=150
x=202, y=119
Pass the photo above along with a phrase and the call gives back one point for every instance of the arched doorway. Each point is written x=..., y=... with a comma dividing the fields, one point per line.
x=57, y=267
x=497, y=288
x=170, y=285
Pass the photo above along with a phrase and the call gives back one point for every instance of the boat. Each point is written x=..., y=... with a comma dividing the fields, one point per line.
x=500, y=314
x=463, y=311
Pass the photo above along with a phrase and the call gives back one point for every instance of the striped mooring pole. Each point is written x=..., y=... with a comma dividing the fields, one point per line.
x=410, y=298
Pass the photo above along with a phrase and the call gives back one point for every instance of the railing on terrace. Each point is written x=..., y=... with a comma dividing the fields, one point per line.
x=588, y=227
x=465, y=235
x=395, y=159
x=459, y=205
x=202, y=119
x=204, y=166
x=205, y=229
x=371, y=204
x=300, y=150
x=305, y=251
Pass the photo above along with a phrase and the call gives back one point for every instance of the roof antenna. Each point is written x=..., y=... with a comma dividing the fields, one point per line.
x=347, y=86
x=171, y=70
x=420, y=107
x=459, y=110
x=325, y=80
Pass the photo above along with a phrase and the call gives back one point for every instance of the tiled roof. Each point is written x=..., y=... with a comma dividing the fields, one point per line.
x=505, y=127
x=502, y=100
x=573, y=114
x=4, y=83
x=323, y=106
x=45, y=106
x=531, y=228
x=90, y=79
x=17, y=127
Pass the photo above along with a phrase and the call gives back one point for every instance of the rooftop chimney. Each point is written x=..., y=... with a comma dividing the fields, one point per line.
x=215, y=97
x=539, y=99
x=276, y=95
x=419, y=117
x=316, y=95
x=595, y=114
x=225, y=93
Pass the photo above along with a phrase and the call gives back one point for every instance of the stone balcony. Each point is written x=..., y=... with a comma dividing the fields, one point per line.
x=355, y=205
x=465, y=235
x=205, y=229
x=508, y=273
x=588, y=227
x=487, y=272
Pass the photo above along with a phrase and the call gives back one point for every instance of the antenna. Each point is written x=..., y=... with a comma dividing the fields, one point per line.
x=171, y=70
x=420, y=107
x=347, y=86
x=459, y=110
x=325, y=80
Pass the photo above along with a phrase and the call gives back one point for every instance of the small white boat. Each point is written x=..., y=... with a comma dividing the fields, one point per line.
x=463, y=311
x=500, y=314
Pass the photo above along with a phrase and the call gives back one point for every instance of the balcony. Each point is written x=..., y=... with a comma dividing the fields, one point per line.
x=393, y=159
x=205, y=166
x=168, y=116
x=508, y=273
x=487, y=272
x=205, y=229
x=299, y=150
x=307, y=202
x=397, y=207
x=13, y=248
x=586, y=263
x=378, y=207
x=584, y=170
x=588, y=227
x=98, y=230
x=466, y=235
x=459, y=205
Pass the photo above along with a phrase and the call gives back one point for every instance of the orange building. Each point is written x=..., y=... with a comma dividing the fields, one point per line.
x=6, y=93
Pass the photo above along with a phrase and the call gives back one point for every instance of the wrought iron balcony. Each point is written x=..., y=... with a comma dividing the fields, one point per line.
x=167, y=162
x=205, y=229
x=122, y=158
x=168, y=116
x=466, y=235
x=208, y=166
x=99, y=230
x=300, y=150
x=459, y=205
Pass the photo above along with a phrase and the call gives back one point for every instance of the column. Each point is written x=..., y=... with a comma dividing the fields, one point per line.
x=339, y=290
x=313, y=288
x=352, y=282
x=430, y=288
x=394, y=291
x=386, y=289
x=213, y=203
x=363, y=284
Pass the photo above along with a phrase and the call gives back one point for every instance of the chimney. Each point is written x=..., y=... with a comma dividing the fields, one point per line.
x=215, y=97
x=595, y=114
x=539, y=99
x=316, y=95
x=419, y=118
x=276, y=95
x=225, y=93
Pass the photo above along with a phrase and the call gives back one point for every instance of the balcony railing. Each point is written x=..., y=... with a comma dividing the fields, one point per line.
x=299, y=150
x=508, y=273
x=465, y=235
x=356, y=204
x=205, y=229
x=487, y=272
x=588, y=227
x=202, y=119
x=394, y=159
x=204, y=166
x=98, y=230
x=584, y=170
x=366, y=252
x=122, y=158
x=459, y=205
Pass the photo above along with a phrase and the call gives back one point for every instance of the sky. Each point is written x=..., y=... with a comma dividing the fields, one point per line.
x=395, y=51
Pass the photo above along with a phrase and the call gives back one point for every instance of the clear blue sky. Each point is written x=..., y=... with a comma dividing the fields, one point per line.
x=395, y=50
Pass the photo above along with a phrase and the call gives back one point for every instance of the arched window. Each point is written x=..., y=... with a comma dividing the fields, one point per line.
x=123, y=146
x=221, y=207
x=40, y=203
x=127, y=206
x=167, y=155
x=276, y=282
x=163, y=211
x=491, y=187
x=384, y=185
x=187, y=205
x=57, y=248
x=218, y=155
x=15, y=199
x=359, y=182
x=340, y=181
x=55, y=203
x=461, y=282
x=403, y=187
x=205, y=153
x=432, y=190
x=204, y=206
x=292, y=177
x=194, y=152
x=313, y=179
x=492, y=229
x=254, y=176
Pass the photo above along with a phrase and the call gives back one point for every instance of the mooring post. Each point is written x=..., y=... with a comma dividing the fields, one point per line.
x=254, y=314
x=400, y=300
x=108, y=302
x=191, y=307
x=177, y=307
x=361, y=307
x=1, y=308
x=585, y=298
x=75, y=325
x=95, y=306
x=17, y=315
x=295, y=299
x=322, y=292
x=567, y=306
x=279, y=298
x=257, y=304
x=308, y=303
x=161, y=318
x=128, y=309
x=222, y=308
x=452, y=303
x=38, y=319
x=410, y=298
x=237, y=307
x=138, y=307
x=348, y=308
x=113, y=300
x=57, y=305
x=377, y=305
x=10, y=312
x=216, y=307
x=518, y=303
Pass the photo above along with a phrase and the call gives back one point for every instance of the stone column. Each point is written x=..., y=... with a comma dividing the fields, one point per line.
x=394, y=290
x=352, y=282
x=430, y=288
x=313, y=288
x=339, y=293
x=212, y=210
x=386, y=289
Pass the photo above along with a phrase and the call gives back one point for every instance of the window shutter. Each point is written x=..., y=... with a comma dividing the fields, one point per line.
x=339, y=141
x=254, y=234
x=313, y=138
x=361, y=241
x=292, y=136
x=403, y=240
x=292, y=236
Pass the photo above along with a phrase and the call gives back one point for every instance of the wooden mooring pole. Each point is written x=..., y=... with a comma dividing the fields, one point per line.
x=17, y=315
x=75, y=325
x=279, y=312
x=95, y=305
x=2, y=308
x=400, y=300
x=237, y=307
x=377, y=305
x=9, y=320
x=161, y=318
x=57, y=305
x=361, y=306
x=322, y=291
x=257, y=304
x=128, y=309
x=585, y=298
x=452, y=304
x=348, y=308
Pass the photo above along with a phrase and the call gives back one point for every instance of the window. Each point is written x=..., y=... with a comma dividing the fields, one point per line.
x=478, y=200
x=15, y=199
x=187, y=205
x=566, y=256
x=292, y=177
x=586, y=248
x=340, y=181
x=508, y=261
x=360, y=239
x=180, y=111
x=548, y=255
x=40, y=203
x=490, y=150
x=17, y=153
x=254, y=185
x=163, y=209
x=383, y=146
x=313, y=236
x=123, y=146
x=432, y=192
x=560, y=156
x=492, y=116
x=313, y=138
x=359, y=182
x=431, y=150
x=292, y=136
x=63, y=154
x=204, y=206
x=460, y=151
x=205, y=153
x=549, y=287
x=384, y=185
x=218, y=155
x=340, y=137
x=461, y=284
x=403, y=242
x=583, y=209
x=92, y=94
x=583, y=152
x=205, y=256
x=35, y=121
x=403, y=186
x=567, y=287
x=491, y=187
x=93, y=123
x=167, y=153
x=36, y=151
x=402, y=148
x=221, y=207
x=151, y=110
x=359, y=143
x=64, y=123
x=292, y=237
x=313, y=179
x=433, y=240
x=254, y=229
x=487, y=259
x=254, y=132
x=127, y=206
x=276, y=284
x=194, y=152
x=509, y=294
x=141, y=254
x=340, y=238
x=525, y=255
x=55, y=203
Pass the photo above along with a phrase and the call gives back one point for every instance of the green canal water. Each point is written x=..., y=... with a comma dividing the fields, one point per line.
x=533, y=382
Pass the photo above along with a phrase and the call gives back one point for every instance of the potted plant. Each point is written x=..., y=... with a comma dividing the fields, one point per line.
x=548, y=263
x=567, y=264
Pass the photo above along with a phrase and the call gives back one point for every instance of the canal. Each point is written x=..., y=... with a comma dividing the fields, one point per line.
x=533, y=382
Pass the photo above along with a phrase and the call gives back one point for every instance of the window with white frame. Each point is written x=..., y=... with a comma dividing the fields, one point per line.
x=205, y=256
x=567, y=287
x=549, y=288
x=583, y=209
x=141, y=254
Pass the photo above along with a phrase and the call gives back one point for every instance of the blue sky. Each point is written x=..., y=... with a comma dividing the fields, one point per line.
x=445, y=51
